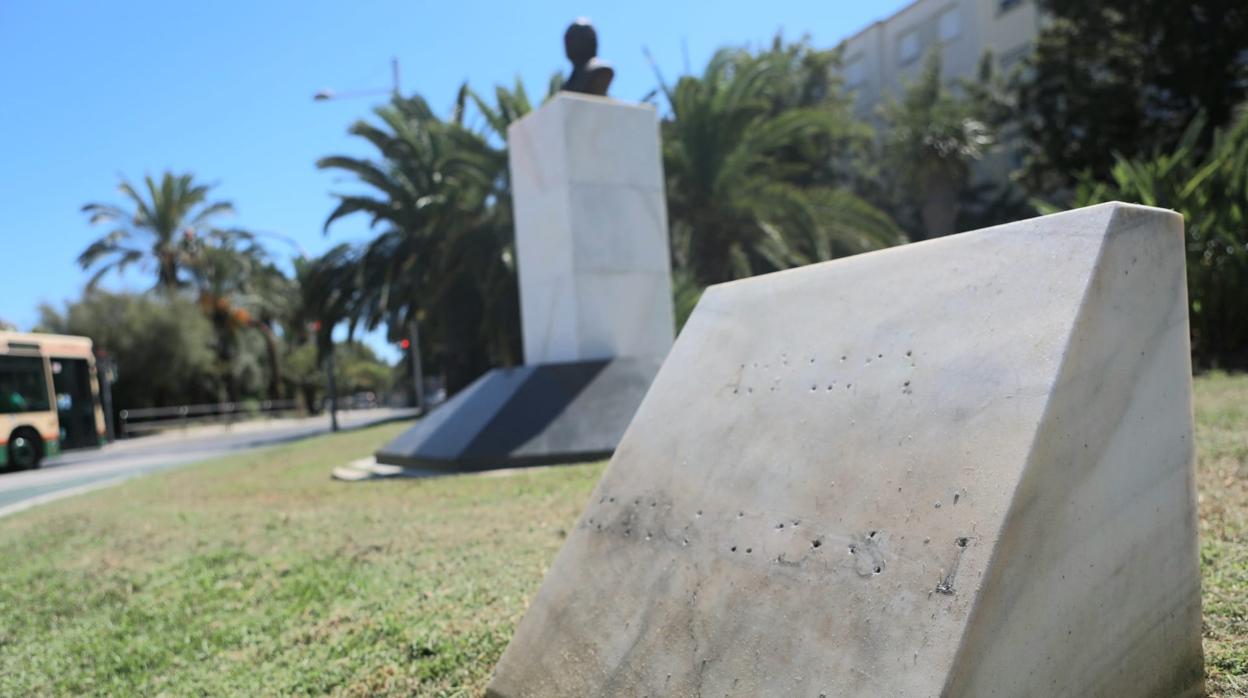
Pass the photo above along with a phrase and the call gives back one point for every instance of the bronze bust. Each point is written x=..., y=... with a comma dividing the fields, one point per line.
x=589, y=75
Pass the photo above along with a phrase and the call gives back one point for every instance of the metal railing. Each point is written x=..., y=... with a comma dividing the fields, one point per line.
x=143, y=420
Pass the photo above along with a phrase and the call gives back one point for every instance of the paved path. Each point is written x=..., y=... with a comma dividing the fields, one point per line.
x=80, y=471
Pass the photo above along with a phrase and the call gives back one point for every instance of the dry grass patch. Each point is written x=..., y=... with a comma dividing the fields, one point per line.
x=257, y=574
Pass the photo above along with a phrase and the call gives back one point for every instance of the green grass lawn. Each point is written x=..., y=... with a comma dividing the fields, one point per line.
x=1222, y=482
x=258, y=575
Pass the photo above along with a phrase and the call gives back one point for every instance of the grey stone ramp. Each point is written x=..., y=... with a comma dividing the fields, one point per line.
x=528, y=415
x=961, y=467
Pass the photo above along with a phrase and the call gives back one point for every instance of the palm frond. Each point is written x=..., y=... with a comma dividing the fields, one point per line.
x=164, y=213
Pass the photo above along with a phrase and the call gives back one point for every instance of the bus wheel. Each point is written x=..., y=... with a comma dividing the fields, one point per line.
x=25, y=449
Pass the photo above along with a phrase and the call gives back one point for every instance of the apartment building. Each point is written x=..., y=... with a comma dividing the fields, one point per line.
x=883, y=56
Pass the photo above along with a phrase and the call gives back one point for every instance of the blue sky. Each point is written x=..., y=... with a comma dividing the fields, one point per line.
x=94, y=90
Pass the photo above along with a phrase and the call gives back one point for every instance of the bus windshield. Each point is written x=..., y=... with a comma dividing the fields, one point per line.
x=23, y=385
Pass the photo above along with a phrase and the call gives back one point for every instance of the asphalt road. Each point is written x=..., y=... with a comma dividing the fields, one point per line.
x=80, y=471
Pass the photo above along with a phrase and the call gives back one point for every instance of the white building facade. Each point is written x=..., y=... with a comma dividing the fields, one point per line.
x=880, y=59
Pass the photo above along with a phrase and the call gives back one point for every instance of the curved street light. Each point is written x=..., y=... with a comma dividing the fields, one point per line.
x=327, y=94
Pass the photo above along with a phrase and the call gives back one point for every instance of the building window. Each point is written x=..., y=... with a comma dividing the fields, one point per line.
x=908, y=47
x=855, y=72
x=950, y=25
x=1007, y=5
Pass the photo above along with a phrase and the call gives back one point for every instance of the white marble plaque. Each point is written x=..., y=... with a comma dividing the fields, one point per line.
x=961, y=467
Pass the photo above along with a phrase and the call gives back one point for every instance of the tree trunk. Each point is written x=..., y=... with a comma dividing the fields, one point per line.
x=939, y=205
x=332, y=387
x=309, y=399
x=167, y=272
x=225, y=357
x=275, y=364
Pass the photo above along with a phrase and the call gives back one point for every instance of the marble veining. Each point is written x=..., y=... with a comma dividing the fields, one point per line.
x=961, y=467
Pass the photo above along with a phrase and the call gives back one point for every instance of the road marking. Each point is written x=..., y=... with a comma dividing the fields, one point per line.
x=62, y=494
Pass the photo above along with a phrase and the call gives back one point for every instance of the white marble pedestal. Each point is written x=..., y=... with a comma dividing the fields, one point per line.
x=591, y=231
x=595, y=296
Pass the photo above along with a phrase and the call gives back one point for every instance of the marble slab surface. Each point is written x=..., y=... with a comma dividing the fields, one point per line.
x=961, y=467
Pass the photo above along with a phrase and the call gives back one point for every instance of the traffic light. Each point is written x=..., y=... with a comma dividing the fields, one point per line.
x=405, y=343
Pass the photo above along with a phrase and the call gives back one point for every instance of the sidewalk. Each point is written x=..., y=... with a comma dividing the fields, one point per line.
x=347, y=419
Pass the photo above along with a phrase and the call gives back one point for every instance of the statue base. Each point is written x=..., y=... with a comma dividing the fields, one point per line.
x=528, y=415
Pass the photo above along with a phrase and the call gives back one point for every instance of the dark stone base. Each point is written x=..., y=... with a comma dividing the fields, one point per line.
x=528, y=415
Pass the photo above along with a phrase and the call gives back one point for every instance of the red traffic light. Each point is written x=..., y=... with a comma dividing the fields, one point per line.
x=405, y=344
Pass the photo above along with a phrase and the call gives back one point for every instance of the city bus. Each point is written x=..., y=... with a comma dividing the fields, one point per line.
x=49, y=399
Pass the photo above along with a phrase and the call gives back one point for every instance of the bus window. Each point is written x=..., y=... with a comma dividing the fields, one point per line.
x=23, y=385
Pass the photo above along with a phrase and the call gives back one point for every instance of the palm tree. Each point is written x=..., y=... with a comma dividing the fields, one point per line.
x=329, y=294
x=442, y=257
x=272, y=295
x=510, y=104
x=746, y=159
x=490, y=250
x=233, y=276
x=933, y=138
x=158, y=231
